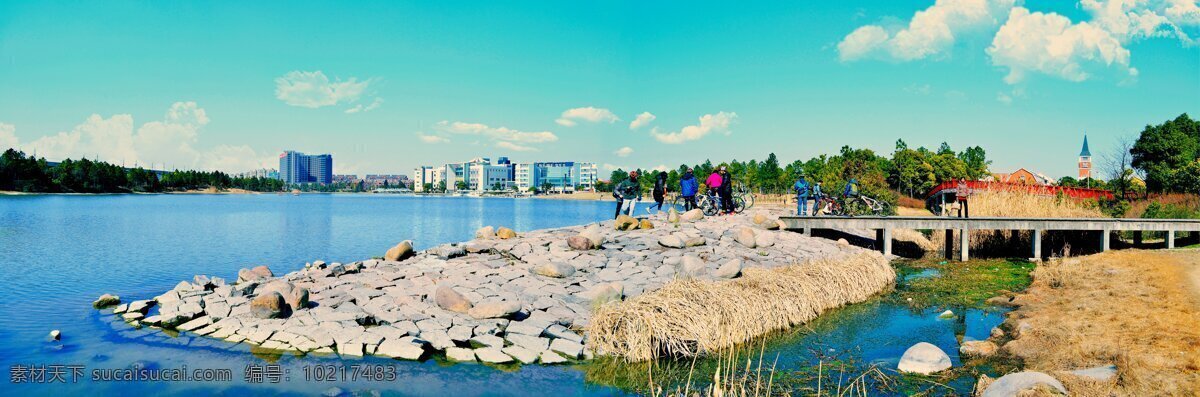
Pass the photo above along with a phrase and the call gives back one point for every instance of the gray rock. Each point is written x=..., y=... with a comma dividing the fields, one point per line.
x=567, y=348
x=745, y=236
x=492, y=355
x=488, y=341
x=554, y=269
x=533, y=343
x=525, y=356
x=449, y=299
x=764, y=240
x=594, y=235
x=549, y=357
x=695, y=241
x=494, y=309
x=485, y=232
x=1012, y=384
x=461, y=355
x=579, y=243
x=730, y=269
x=106, y=300
x=450, y=251
x=692, y=215
x=604, y=292
x=690, y=266
x=399, y=348
x=671, y=241
x=924, y=358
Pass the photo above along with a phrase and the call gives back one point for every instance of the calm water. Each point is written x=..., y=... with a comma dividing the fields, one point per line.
x=58, y=253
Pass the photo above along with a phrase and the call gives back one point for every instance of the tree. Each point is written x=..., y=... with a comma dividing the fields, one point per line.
x=975, y=159
x=460, y=185
x=770, y=176
x=1119, y=168
x=1163, y=149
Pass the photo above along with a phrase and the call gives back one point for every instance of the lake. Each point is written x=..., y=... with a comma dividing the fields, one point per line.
x=60, y=252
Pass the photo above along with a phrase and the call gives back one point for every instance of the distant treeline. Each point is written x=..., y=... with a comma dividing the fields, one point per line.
x=22, y=173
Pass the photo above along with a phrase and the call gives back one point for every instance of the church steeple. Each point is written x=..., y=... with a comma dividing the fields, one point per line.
x=1085, y=161
x=1085, y=152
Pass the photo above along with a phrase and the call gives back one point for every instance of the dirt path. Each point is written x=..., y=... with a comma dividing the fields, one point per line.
x=1190, y=260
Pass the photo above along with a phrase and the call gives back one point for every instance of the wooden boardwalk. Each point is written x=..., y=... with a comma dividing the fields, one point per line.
x=883, y=226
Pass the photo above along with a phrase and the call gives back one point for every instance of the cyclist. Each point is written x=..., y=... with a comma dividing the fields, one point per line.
x=628, y=192
x=816, y=192
x=726, y=191
x=849, y=193
x=688, y=185
x=801, y=188
x=713, y=184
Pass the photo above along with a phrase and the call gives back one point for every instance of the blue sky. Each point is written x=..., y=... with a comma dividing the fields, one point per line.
x=386, y=86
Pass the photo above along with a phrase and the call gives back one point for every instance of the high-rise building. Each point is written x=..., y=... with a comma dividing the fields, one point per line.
x=481, y=174
x=298, y=168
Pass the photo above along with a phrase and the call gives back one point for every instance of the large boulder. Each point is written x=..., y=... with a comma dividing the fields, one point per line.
x=645, y=224
x=1013, y=384
x=745, y=236
x=978, y=348
x=450, y=251
x=253, y=274
x=625, y=222
x=593, y=233
x=692, y=215
x=485, y=232
x=296, y=298
x=553, y=269
x=924, y=358
x=764, y=239
x=269, y=305
x=449, y=299
x=494, y=309
x=671, y=241
x=760, y=219
x=730, y=269
x=580, y=243
x=672, y=215
x=263, y=271
x=505, y=233
x=400, y=252
x=106, y=300
x=690, y=266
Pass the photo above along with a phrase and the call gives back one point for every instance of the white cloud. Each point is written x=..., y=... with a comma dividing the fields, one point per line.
x=931, y=32
x=661, y=168
x=708, y=123
x=514, y=147
x=169, y=143
x=571, y=117
x=1135, y=19
x=8, y=136
x=919, y=89
x=496, y=133
x=641, y=120
x=1049, y=43
x=429, y=138
x=314, y=90
x=363, y=109
x=609, y=168
x=624, y=152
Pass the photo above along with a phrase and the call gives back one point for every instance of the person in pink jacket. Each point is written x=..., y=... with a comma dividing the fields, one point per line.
x=713, y=184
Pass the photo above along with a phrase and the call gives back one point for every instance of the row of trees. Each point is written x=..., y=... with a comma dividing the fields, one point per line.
x=909, y=171
x=22, y=173
x=1168, y=155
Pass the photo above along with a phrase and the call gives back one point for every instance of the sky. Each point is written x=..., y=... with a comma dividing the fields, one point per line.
x=387, y=86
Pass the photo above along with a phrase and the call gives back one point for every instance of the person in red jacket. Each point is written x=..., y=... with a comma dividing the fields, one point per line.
x=713, y=184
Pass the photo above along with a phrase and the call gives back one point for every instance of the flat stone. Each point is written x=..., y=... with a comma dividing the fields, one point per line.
x=492, y=355
x=690, y=266
x=106, y=300
x=1012, y=384
x=494, y=309
x=1101, y=373
x=553, y=269
x=549, y=357
x=924, y=358
x=562, y=332
x=488, y=340
x=450, y=299
x=522, y=354
x=978, y=348
x=396, y=348
x=532, y=343
x=671, y=241
x=567, y=348
x=461, y=355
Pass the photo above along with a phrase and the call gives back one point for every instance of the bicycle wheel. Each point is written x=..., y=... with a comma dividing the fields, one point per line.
x=749, y=199
x=708, y=205
x=739, y=204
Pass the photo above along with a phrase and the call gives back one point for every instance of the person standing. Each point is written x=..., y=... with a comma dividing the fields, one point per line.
x=688, y=186
x=801, y=188
x=961, y=193
x=660, y=191
x=816, y=193
x=713, y=186
x=726, y=191
x=627, y=193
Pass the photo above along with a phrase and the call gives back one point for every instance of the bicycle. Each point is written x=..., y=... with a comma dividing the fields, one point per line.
x=866, y=205
x=828, y=205
x=746, y=195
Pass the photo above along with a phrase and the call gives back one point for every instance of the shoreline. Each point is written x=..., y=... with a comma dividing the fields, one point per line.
x=527, y=298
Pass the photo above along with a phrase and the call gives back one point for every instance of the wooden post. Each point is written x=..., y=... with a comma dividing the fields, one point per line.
x=1170, y=239
x=1037, y=245
x=964, y=240
x=949, y=244
x=887, y=242
x=879, y=239
x=1104, y=240
x=1137, y=238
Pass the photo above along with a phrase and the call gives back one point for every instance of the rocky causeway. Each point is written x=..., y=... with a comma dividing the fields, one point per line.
x=502, y=297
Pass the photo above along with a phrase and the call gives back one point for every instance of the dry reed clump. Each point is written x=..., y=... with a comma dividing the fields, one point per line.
x=1017, y=204
x=690, y=317
x=1131, y=308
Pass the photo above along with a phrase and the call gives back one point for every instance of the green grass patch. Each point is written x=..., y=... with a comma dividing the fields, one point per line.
x=953, y=284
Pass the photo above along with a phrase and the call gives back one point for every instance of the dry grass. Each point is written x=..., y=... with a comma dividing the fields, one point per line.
x=1137, y=208
x=1135, y=309
x=909, y=202
x=1016, y=204
x=691, y=317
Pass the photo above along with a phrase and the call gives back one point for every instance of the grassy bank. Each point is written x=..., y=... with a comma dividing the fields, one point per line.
x=955, y=284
